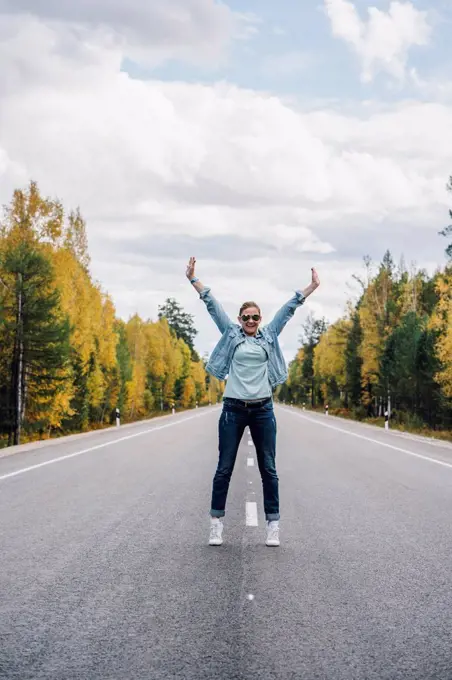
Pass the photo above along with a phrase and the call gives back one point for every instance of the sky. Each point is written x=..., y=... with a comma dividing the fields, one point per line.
x=262, y=137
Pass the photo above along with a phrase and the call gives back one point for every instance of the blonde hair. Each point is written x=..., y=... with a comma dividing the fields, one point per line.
x=249, y=304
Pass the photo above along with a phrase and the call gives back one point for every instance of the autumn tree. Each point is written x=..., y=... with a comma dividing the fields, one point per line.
x=353, y=362
x=330, y=360
x=378, y=313
x=441, y=322
x=76, y=240
x=124, y=365
x=31, y=217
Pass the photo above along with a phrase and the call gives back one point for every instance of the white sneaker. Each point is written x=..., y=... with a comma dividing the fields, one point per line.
x=216, y=529
x=272, y=533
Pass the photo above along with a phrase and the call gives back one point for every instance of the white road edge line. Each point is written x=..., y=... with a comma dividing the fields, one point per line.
x=98, y=446
x=250, y=462
x=370, y=439
x=251, y=514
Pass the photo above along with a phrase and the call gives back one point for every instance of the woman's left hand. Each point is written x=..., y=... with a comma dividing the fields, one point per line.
x=315, y=278
x=315, y=283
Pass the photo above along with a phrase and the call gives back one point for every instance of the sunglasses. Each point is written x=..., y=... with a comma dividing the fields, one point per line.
x=247, y=317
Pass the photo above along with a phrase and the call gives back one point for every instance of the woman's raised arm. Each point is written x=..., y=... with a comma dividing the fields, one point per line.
x=214, y=308
x=287, y=311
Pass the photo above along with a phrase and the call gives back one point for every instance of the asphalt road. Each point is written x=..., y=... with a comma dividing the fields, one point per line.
x=105, y=571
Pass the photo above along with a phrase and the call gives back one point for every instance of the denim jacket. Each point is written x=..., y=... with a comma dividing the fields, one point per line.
x=232, y=335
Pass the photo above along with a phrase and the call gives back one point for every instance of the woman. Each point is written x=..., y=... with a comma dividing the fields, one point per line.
x=252, y=360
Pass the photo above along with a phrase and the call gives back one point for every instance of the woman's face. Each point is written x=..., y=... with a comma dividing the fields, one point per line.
x=249, y=324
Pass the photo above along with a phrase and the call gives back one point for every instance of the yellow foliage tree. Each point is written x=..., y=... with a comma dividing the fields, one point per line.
x=215, y=390
x=198, y=374
x=329, y=358
x=441, y=321
x=371, y=345
x=189, y=393
x=80, y=301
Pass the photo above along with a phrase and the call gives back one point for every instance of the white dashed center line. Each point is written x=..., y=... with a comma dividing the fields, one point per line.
x=250, y=462
x=251, y=514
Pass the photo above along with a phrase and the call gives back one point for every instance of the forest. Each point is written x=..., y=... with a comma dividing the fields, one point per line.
x=391, y=350
x=67, y=362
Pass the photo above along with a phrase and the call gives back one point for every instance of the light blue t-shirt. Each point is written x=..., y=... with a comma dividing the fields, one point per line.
x=248, y=374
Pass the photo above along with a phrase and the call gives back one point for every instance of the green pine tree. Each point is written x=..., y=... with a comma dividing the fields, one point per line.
x=408, y=368
x=180, y=322
x=313, y=330
x=398, y=374
x=37, y=336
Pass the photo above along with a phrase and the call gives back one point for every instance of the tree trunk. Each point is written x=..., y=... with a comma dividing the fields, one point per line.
x=18, y=367
x=102, y=412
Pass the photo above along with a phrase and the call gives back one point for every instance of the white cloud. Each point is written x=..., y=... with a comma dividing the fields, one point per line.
x=383, y=42
x=150, y=161
x=150, y=30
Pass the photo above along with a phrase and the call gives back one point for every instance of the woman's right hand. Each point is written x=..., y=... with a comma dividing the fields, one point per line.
x=190, y=273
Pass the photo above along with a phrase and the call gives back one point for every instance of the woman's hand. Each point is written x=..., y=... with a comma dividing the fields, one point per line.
x=190, y=273
x=315, y=278
x=315, y=283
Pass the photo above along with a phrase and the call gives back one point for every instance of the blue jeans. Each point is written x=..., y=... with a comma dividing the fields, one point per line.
x=260, y=418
